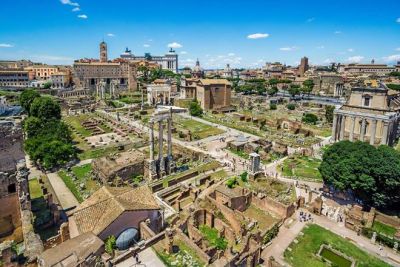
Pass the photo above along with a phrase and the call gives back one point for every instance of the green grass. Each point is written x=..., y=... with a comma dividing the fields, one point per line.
x=198, y=129
x=213, y=238
x=304, y=253
x=302, y=167
x=71, y=185
x=385, y=229
x=239, y=153
x=334, y=258
x=34, y=189
x=75, y=122
x=184, y=258
x=97, y=152
x=264, y=219
x=82, y=171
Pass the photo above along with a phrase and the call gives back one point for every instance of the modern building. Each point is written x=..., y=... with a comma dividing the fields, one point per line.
x=167, y=62
x=377, y=69
x=214, y=94
x=370, y=115
x=303, y=67
x=61, y=80
x=15, y=78
x=43, y=72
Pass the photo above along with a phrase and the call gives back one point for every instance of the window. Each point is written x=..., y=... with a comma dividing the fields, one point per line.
x=366, y=101
x=12, y=188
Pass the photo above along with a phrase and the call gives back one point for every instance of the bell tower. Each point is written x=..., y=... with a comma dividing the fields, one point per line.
x=103, y=52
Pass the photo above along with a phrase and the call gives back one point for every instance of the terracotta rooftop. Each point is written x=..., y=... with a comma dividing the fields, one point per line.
x=108, y=203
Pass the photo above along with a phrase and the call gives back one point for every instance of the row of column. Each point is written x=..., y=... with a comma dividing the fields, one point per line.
x=160, y=139
x=338, y=134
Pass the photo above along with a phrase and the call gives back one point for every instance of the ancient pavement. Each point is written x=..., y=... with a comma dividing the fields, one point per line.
x=66, y=198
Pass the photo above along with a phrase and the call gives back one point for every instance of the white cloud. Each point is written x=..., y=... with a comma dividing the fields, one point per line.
x=231, y=54
x=320, y=47
x=355, y=59
x=350, y=50
x=69, y=2
x=310, y=20
x=110, y=35
x=6, y=45
x=146, y=45
x=83, y=16
x=76, y=9
x=257, y=36
x=175, y=45
x=183, y=52
x=397, y=49
x=291, y=48
x=337, y=32
x=392, y=58
x=398, y=20
x=328, y=60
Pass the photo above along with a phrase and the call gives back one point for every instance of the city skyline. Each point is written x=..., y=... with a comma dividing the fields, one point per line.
x=216, y=33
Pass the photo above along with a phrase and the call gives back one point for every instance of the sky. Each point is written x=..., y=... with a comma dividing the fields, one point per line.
x=217, y=32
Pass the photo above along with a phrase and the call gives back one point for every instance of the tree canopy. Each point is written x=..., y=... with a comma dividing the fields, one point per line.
x=309, y=118
x=372, y=174
x=26, y=98
x=195, y=109
x=45, y=108
x=329, y=113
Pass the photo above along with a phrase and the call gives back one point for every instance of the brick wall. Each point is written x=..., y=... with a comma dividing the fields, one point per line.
x=273, y=206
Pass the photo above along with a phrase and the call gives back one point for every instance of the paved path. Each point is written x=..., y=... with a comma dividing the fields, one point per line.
x=287, y=235
x=147, y=258
x=66, y=198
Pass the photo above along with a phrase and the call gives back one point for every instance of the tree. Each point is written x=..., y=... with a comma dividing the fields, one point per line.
x=309, y=118
x=110, y=245
x=329, y=113
x=294, y=90
x=395, y=74
x=371, y=174
x=33, y=127
x=195, y=109
x=308, y=86
x=393, y=86
x=47, y=85
x=273, y=81
x=45, y=108
x=272, y=91
x=26, y=98
x=243, y=177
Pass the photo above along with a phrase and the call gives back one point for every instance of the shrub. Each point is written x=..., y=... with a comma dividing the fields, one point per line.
x=273, y=107
x=231, y=182
x=310, y=118
x=110, y=244
x=243, y=177
x=291, y=106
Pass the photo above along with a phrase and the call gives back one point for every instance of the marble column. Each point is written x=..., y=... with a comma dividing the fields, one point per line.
x=160, y=141
x=385, y=133
x=353, y=122
x=373, y=132
x=362, y=133
x=342, y=126
x=334, y=126
x=151, y=140
x=169, y=137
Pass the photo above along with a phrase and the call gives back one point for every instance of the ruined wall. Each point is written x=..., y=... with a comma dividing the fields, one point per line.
x=273, y=206
x=386, y=219
x=200, y=253
x=10, y=209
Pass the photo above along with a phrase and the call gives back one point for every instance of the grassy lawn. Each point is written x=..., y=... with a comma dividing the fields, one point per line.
x=384, y=228
x=264, y=219
x=302, y=167
x=75, y=122
x=304, y=252
x=199, y=130
x=239, y=153
x=71, y=185
x=97, y=152
x=213, y=238
x=34, y=189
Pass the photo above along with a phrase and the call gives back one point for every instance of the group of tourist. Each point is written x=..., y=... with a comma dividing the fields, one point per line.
x=305, y=217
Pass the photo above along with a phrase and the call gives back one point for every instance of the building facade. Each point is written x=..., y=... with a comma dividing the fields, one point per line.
x=214, y=94
x=43, y=72
x=378, y=69
x=61, y=79
x=370, y=115
x=15, y=78
x=167, y=62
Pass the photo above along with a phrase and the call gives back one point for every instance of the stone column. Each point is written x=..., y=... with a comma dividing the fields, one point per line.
x=353, y=122
x=160, y=141
x=385, y=133
x=362, y=132
x=151, y=140
x=334, y=126
x=169, y=139
x=373, y=132
x=342, y=126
